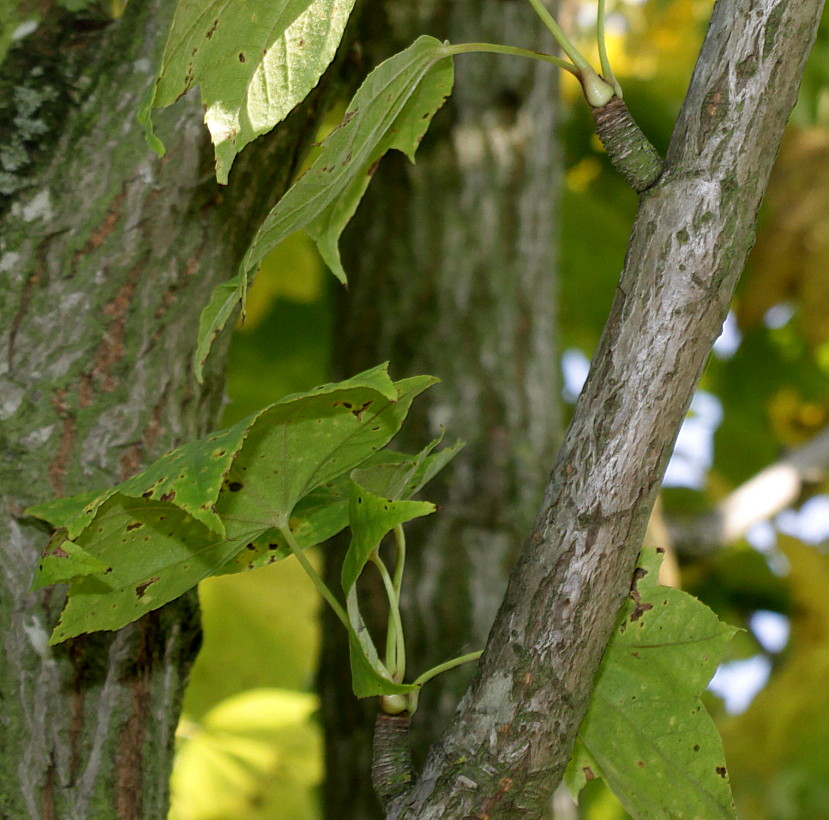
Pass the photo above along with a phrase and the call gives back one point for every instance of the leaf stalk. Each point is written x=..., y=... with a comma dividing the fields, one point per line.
x=493, y=48
x=321, y=586
x=445, y=667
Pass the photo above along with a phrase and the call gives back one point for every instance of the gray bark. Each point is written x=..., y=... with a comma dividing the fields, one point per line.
x=510, y=741
x=451, y=271
x=107, y=255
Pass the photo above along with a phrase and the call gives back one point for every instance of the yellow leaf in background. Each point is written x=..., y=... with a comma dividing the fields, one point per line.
x=255, y=756
x=790, y=261
x=260, y=631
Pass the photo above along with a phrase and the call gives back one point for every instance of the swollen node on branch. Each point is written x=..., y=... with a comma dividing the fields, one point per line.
x=629, y=149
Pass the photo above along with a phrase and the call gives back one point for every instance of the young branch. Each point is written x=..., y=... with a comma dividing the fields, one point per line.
x=511, y=739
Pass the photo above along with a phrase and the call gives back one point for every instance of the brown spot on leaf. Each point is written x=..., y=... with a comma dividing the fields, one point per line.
x=588, y=773
x=134, y=526
x=640, y=609
x=721, y=771
x=242, y=58
x=640, y=764
x=235, y=486
x=212, y=28
x=358, y=412
x=169, y=496
x=140, y=589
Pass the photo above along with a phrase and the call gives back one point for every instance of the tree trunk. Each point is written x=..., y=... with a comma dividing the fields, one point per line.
x=108, y=254
x=512, y=737
x=451, y=272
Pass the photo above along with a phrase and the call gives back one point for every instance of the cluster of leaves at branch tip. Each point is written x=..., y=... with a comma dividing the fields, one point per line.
x=281, y=480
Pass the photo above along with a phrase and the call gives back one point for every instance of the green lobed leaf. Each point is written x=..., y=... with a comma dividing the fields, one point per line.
x=323, y=513
x=143, y=550
x=646, y=732
x=288, y=454
x=253, y=61
x=318, y=516
x=371, y=518
x=392, y=109
x=191, y=476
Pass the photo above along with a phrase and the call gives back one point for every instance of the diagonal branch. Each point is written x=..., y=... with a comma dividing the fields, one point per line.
x=758, y=499
x=512, y=736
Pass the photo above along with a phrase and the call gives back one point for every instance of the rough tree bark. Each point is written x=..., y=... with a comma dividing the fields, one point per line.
x=451, y=271
x=107, y=256
x=510, y=741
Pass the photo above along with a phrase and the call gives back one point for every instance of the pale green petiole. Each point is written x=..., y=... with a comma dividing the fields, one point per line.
x=395, y=643
x=492, y=48
x=607, y=71
x=400, y=558
x=445, y=667
x=597, y=92
x=321, y=586
x=579, y=60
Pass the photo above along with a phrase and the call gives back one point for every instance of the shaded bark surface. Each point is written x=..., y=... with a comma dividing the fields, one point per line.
x=510, y=742
x=107, y=255
x=451, y=272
